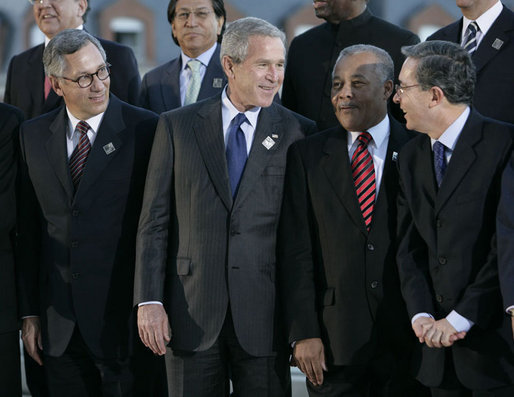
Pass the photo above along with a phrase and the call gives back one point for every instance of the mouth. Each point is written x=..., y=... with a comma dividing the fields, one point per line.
x=346, y=107
x=97, y=98
x=268, y=88
x=47, y=16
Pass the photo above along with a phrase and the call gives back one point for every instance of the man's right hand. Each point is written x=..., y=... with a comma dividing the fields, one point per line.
x=421, y=326
x=152, y=324
x=31, y=336
x=309, y=355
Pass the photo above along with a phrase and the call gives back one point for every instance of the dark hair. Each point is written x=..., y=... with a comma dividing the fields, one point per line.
x=445, y=65
x=219, y=11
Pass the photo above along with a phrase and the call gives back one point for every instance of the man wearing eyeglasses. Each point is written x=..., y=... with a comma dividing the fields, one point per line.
x=197, y=27
x=81, y=184
x=27, y=87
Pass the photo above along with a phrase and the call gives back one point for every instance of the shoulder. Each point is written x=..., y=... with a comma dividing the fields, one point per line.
x=442, y=33
x=116, y=49
x=395, y=31
x=23, y=57
x=291, y=118
x=11, y=113
x=311, y=36
x=133, y=112
x=157, y=72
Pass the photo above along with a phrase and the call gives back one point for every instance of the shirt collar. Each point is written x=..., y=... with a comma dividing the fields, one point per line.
x=204, y=58
x=94, y=123
x=47, y=40
x=450, y=136
x=378, y=132
x=485, y=20
x=229, y=111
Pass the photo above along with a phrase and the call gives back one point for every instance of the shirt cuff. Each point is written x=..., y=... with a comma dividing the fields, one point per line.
x=423, y=314
x=461, y=324
x=30, y=316
x=509, y=310
x=149, y=303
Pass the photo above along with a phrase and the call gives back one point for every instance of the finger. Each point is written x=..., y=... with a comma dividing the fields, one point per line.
x=39, y=342
x=166, y=330
x=318, y=373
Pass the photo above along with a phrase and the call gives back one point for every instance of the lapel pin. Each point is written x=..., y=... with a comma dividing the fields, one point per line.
x=217, y=82
x=109, y=148
x=395, y=156
x=497, y=44
x=274, y=136
x=268, y=143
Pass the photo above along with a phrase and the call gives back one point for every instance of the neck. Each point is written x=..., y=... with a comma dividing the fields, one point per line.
x=475, y=11
x=446, y=118
x=352, y=14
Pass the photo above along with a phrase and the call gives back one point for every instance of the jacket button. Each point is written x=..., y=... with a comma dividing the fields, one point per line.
x=439, y=298
x=371, y=247
x=75, y=213
x=374, y=284
x=439, y=224
x=442, y=260
x=74, y=244
x=75, y=276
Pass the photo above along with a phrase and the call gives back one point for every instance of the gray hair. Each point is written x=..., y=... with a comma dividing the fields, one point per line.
x=64, y=43
x=384, y=67
x=237, y=35
x=445, y=65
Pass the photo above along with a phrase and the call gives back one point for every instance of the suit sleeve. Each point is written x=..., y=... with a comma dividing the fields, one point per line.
x=295, y=254
x=505, y=235
x=8, y=96
x=412, y=260
x=152, y=235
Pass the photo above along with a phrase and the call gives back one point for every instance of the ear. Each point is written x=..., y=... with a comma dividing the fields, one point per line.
x=436, y=96
x=228, y=66
x=56, y=85
x=388, y=89
x=82, y=7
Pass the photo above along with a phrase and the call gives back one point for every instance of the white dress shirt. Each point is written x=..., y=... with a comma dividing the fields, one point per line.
x=73, y=137
x=186, y=73
x=484, y=22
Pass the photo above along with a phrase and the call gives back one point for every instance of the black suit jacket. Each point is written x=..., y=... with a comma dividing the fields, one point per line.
x=339, y=282
x=313, y=54
x=10, y=120
x=76, y=251
x=494, y=61
x=24, y=87
x=447, y=252
x=220, y=252
x=160, y=90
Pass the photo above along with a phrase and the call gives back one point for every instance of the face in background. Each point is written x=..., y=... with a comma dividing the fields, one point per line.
x=196, y=34
x=54, y=16
x=256, y=80
x=335, y=11
x=359, y=94
x=83, y=103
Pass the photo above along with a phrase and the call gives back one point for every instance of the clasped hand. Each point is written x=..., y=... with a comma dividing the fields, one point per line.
x=436, y=333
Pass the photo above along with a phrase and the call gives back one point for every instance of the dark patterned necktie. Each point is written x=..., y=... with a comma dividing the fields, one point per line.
x=363, y=173
x=439, y=161
x=236, y=152
x=79, y=156
x=470, y=43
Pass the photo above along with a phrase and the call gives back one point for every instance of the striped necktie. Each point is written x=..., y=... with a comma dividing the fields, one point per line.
x=79, y=156
x=470, y=42
x=363, y=173
x=439, y=161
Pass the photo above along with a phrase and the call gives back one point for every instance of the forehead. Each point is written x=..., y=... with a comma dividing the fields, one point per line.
x=408, y=72
x=361, y=63
x=265, y=47
x=193, y=4
x=85, y=60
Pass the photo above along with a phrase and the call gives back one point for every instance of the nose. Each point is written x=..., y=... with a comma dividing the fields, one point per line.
x=97, y=84
x=191, y=19
x=273, y=73
x=396, y=97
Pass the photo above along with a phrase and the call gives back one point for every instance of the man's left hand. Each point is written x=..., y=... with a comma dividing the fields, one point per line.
x=442, y=334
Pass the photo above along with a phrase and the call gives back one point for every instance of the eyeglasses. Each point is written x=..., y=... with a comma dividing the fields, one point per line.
x=200, y=14
x=401, y=90
x=86, y=80
x=41, y=1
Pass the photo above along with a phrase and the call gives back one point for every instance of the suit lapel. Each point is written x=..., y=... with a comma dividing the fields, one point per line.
x=336, y=165
x=214, y=79
x=208, y=130
x=462, y=158
x=109, y=132
x=57, y=151
x=453, y=32
x=170, y=87
x=497, y=37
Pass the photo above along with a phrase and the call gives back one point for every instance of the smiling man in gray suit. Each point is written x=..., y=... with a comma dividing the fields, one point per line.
x=207, y=233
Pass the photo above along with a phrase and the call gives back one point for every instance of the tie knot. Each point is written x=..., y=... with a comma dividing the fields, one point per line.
x=439, y=148
x=473, y=28
x=239, y=119
x=194, y=65
x=364, y=138
x=83, y=127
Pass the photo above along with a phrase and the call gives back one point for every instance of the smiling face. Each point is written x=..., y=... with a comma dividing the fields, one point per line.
x=196, y=35
x=55, y=16
x=256, y=80
x=359, y=94
x=83, y=103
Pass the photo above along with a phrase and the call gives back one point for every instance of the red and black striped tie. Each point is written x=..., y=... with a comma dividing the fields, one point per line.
x=79, y=156
x=363, y=173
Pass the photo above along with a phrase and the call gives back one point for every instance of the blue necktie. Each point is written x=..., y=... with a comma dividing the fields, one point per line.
x=439, y=161
x=236, y=152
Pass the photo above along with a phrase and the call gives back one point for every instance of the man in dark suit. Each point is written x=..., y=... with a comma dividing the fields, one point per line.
x=312, y=55
x=487, y=31
x=81, y=186
x=10, y=376
x=197, y=27
x=450, y=187
x=505, y=232
x=206, y=238
x=26, y=86
x=339, y=282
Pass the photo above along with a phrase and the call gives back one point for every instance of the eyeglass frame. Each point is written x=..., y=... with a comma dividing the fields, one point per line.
x=200, y=14
x=107, y=66
x=400, y=90
x=33, y=2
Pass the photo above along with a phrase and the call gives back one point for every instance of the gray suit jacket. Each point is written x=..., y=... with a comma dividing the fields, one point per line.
x=160, y=90
x=200, y=252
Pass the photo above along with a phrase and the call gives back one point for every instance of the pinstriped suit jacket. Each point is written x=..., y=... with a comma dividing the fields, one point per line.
x=200, y=252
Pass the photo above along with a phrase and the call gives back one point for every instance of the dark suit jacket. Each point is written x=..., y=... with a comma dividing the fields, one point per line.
x=505, y=235
x=313, y=54
x=76, y=253
x=494, y=96
x=160, y=90
x=447, y=253
x=24, y=87
x=10, y=120
x=220, y=252
x=339, y=282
